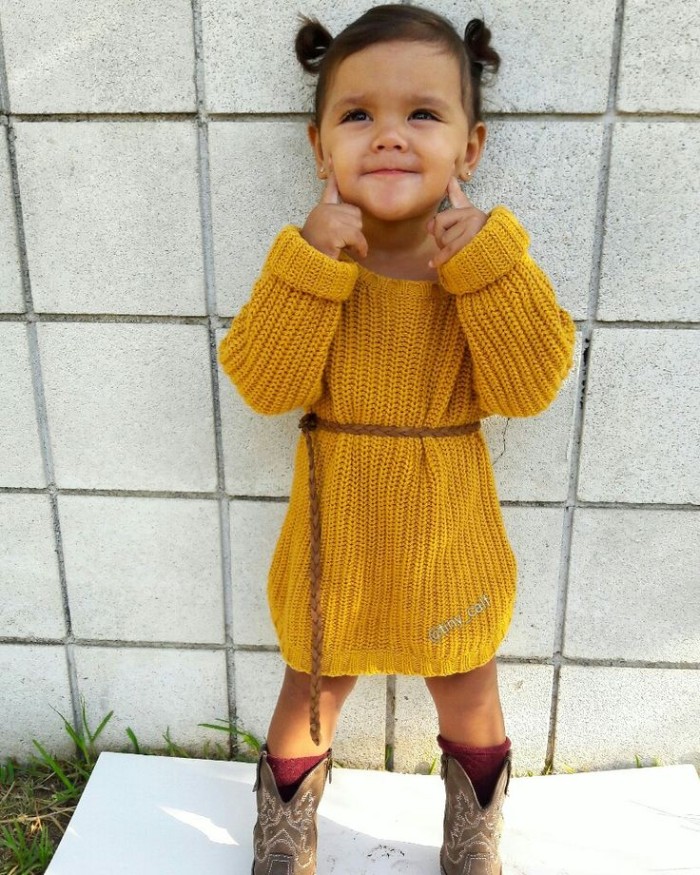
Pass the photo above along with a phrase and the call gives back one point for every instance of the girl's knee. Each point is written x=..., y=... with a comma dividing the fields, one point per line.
x=481, y=681
x=337, y=688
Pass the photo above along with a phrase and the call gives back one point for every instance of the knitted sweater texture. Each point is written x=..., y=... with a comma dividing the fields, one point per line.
x=418, y=575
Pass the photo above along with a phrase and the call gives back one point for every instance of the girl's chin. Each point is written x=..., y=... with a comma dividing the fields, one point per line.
x=397, y=214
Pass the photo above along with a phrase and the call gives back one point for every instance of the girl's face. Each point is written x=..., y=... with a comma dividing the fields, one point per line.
x=396, y=105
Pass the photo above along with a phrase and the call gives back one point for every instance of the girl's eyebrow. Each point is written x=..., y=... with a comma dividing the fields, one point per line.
x=356, y=99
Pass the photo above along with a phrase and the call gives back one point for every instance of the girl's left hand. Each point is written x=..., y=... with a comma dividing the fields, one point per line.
x=454, y=228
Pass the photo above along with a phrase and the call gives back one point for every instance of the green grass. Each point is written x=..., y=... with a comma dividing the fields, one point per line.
x=38, y=798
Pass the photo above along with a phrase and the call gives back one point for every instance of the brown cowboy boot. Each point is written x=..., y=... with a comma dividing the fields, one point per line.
x=471, y=834
x=285, y=834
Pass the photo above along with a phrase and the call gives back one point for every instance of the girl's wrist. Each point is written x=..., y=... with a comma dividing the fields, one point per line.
x=317, y=248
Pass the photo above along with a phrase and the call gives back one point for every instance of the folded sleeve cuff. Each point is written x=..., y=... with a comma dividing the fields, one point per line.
x=490, y=254
x=306, y=268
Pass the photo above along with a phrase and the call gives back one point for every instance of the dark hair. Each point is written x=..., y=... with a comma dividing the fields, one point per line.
x=318, y=52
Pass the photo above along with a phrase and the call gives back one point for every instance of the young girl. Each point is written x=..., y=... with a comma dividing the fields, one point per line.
x=398, y=328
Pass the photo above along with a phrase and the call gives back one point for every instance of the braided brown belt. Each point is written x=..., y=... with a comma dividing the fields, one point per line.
x=308, y=423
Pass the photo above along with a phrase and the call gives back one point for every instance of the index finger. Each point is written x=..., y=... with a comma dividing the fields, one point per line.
x=454, y=192
x=331, y=195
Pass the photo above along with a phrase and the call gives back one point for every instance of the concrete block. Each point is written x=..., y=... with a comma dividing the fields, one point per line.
x=21, y=464
x=547, y=174
x=74, y=56
x=11, y=300
x=259, y=676
x=659, y=70
x=28, y=569
x=33, y=682
x=556, y=57
x=111, y=216
x=531, y=456
x=153, y=691
x=607, y=716
x=129, y=406
x=359, y=740
x=143, y=569
x=535, y=534
x=415, y=727
x=254, y=195
x=640, y=567
x=539, y=79
x=525, y=693
x=641, y=429
x=255, y=528
x=245, y=41
x=651, y=260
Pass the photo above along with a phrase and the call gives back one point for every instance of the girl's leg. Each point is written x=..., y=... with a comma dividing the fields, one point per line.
x=476, y=755
x=469, y=707
x=285, y=839
x=288, y=735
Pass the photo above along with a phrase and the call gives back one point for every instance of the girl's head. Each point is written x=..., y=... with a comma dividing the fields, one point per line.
x=399, y=88
x=318, y=52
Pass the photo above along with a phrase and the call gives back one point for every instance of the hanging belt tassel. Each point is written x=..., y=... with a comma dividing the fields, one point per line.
x=308, y=423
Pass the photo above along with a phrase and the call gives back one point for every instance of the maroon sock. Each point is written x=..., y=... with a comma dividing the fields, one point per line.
x=482, y=764
x=289, y=773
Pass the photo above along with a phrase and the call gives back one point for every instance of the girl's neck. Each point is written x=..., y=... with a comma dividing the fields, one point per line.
x=399, y=249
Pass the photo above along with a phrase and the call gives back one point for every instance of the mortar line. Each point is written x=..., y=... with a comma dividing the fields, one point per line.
x=390, y=723
x=284, y=499
x=112, y=644
x=302, y=116
x=225, y=321
x=4, y=84
x=609, y=119
x=43, y=424
x=213, y=322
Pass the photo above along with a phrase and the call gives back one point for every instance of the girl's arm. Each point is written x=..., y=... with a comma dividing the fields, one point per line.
x=276, y=348
x=521, y=341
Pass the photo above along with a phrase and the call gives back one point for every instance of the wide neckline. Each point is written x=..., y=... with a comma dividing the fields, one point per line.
x=387, y=282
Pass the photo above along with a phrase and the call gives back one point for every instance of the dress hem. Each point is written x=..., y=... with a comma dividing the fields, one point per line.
x=381, y=662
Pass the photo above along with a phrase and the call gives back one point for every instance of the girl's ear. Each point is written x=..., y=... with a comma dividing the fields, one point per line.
x=315, y=141
x=463, y=163
x=473, y=151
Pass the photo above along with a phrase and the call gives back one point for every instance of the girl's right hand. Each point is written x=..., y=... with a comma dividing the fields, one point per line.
x=332, y=225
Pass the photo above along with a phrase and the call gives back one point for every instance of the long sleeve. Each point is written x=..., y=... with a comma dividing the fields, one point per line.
x=521, y=341
x=277, y=345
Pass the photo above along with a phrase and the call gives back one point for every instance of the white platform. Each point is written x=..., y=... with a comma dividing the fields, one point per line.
x=148, y=815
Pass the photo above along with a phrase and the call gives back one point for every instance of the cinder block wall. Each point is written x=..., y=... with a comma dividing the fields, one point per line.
x=150, y=153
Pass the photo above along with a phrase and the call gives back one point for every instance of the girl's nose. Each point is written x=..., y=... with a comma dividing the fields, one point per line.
x=389, y=137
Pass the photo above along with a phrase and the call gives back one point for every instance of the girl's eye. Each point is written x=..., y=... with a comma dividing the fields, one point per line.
x=352, y=113
x=424, y=112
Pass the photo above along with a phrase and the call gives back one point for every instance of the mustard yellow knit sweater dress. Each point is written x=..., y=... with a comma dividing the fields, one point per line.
x=417, y=573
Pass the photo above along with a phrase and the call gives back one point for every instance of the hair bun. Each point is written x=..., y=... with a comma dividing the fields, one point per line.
x=476, y=41
x=311, y=43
